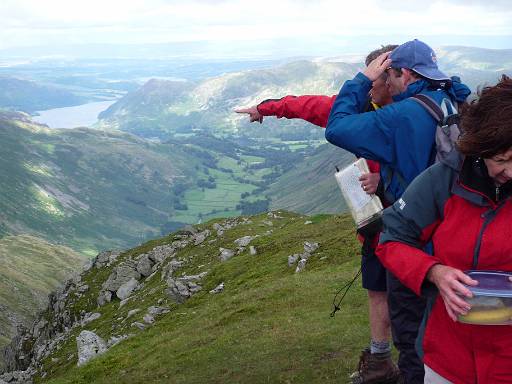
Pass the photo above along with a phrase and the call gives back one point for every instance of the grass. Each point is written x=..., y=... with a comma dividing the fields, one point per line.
x=31, y=269
x=270, y=325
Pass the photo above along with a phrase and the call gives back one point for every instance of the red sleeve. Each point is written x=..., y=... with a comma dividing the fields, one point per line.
x=312, y=108
x=409, y=264
x=373, y=165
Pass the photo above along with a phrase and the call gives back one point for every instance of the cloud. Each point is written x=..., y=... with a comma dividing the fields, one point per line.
x=33, y=22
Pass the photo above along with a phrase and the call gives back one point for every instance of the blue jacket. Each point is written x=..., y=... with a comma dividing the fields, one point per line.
x=401, y=136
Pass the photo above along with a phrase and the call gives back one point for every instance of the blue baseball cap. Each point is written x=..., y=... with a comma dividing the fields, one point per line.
x=419, y=57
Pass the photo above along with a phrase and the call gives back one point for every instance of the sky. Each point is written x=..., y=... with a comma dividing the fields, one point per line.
x=74, y=22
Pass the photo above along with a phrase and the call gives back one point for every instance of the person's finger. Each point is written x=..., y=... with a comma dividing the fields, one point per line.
x=450, y=312
x=459, y=288
x=242, y=110
x=458, y=303
x=466, y=279
x=386, y=63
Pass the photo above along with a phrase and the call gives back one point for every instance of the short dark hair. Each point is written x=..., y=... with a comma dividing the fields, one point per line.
x=377, y=52
x=486, y=123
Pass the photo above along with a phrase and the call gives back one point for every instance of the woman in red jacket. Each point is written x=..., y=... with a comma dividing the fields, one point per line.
x=465, y=210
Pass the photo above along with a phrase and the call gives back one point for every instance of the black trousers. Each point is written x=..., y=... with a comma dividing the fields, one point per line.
x=406, y=311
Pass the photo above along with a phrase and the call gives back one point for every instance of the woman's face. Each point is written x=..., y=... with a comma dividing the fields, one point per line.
x=499, y=167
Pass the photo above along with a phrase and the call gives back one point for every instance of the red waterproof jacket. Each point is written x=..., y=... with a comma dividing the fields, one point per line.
x=312, y=108
x=468, y=220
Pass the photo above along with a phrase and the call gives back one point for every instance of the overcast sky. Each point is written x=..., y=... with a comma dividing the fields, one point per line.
x=54, y=22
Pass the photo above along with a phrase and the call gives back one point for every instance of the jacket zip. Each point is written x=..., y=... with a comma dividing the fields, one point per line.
x=488, y=216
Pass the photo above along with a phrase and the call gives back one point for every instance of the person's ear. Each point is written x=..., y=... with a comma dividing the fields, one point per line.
x=408, y=76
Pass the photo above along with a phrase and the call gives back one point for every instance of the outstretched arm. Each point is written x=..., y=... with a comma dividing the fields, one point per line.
x=312, y=108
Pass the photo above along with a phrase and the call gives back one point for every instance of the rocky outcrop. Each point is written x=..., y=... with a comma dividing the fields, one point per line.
x=89, y=345
x=302, y=258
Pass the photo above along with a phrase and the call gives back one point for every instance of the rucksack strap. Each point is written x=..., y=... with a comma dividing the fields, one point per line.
x=446, y=114
x=430, y=105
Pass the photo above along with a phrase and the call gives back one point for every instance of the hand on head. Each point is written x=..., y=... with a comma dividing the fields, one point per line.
x=253, y=113
x=378, y=66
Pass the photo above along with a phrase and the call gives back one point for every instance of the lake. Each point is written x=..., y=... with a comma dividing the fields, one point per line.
x=84, y=115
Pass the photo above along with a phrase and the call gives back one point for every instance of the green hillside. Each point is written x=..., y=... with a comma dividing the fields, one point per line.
x=163, y=108
x=29, y=96
x=270, y=324
x=84, y=188
x=31, y=269
x=310, y=186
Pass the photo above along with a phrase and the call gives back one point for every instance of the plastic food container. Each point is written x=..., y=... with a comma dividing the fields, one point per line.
x=491, y=303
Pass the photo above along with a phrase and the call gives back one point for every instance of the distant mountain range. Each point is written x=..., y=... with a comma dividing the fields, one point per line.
x=162, y=108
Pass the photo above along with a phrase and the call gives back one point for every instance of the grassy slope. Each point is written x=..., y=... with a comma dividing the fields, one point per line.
x=269, y=325
x=310, y=187
x=31, y=269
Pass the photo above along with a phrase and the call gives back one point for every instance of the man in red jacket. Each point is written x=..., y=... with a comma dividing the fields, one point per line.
x=375, y=365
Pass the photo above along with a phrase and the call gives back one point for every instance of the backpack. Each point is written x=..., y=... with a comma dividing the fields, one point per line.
x=447, y=130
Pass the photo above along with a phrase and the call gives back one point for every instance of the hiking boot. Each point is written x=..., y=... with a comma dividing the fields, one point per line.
x=375, y=369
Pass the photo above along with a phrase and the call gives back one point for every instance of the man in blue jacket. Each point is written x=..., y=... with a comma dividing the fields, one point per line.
x=401, y=136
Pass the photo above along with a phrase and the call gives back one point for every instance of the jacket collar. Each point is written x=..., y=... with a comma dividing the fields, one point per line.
x=457, y=91
x=412, y=89
x=474, y=184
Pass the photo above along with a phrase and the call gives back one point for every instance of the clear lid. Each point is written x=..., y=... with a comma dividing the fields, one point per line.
x=491, y=283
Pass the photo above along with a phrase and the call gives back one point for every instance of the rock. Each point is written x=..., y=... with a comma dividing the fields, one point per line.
x=187, y=230
x=104, y=298
x=154, y=311
x=252, y=250
x=139, y=325
x=89, y=345
x=201, y=237
x=310, y=247
x=218, y=289
x=127, y=289
x=105, y=258
x=148, y=319
x=90, y=317
x=301, y=265
x=83, y=288
x=226, y=254
x=170, y=268
x=162, y=252
x=243, y=241
x=121, y=275
x=145, y=265
x=268, y=222
x=182, y=288
x=132, y=312
x=293, y=259
x=116, y=340
x=308, y=222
